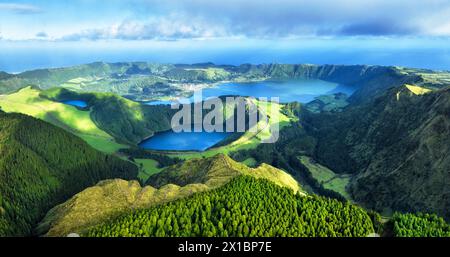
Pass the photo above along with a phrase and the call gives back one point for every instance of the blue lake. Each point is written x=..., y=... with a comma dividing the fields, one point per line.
x=196, y=141
x=158, y=102
x=77, y=103
x=288, y=91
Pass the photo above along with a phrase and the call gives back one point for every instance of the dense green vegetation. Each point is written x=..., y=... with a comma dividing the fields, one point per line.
x=42, y=165
x=244, y=207
x=110, y=198
x=420, y=225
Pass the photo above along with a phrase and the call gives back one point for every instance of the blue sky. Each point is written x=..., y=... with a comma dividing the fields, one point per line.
x=382, y=28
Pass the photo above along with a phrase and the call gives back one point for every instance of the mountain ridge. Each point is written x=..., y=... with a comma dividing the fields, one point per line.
x=110, y=198
x=137, y=80
x=394, y=145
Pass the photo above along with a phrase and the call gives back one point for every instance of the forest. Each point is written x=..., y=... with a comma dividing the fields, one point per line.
x=245, y=207
x=420, y=225
x=42, y=165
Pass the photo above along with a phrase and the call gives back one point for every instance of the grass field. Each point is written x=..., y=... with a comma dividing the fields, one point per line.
x=251, y=162
x=325, y=176
x=28, y=101
x=147, y=167
x=418, y=90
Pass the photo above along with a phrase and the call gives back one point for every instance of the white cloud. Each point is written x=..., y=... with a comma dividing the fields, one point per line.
x=41, y=35
x=169, y=27
x=20, y=8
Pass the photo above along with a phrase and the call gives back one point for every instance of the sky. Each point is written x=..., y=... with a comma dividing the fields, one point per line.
x=230, y=31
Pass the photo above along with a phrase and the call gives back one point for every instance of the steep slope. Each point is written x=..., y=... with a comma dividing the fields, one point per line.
x=42, y=165
x=419, y=178
x=4, y=75
x=110, y=198
x=397, y=145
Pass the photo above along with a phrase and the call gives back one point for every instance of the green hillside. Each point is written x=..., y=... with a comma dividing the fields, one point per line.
x=109, y=118
x=42, y=165
x=396, y=145
x=216, y=171
x=111, y=198
x=102, y=77
x=247, y=207
x=327, y=178
x=106, y=200
x=29, y=101
x=126, y=120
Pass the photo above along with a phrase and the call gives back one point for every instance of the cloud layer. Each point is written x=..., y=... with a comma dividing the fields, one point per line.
x=169, y=27
x=198, y=19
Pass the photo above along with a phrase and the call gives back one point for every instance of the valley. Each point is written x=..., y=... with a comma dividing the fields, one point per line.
x=352, y=140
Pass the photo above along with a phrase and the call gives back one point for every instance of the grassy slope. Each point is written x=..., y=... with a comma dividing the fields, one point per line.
x=417, y=90
x=110, y=198
x=216, y=171
x=105, y=200
x=127, y=121
x=148, y=167
x=251, y=162
x=325, y=176
x=28, y=101
x=335, y=102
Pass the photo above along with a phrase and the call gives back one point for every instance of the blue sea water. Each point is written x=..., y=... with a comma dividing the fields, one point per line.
x=408, y=52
